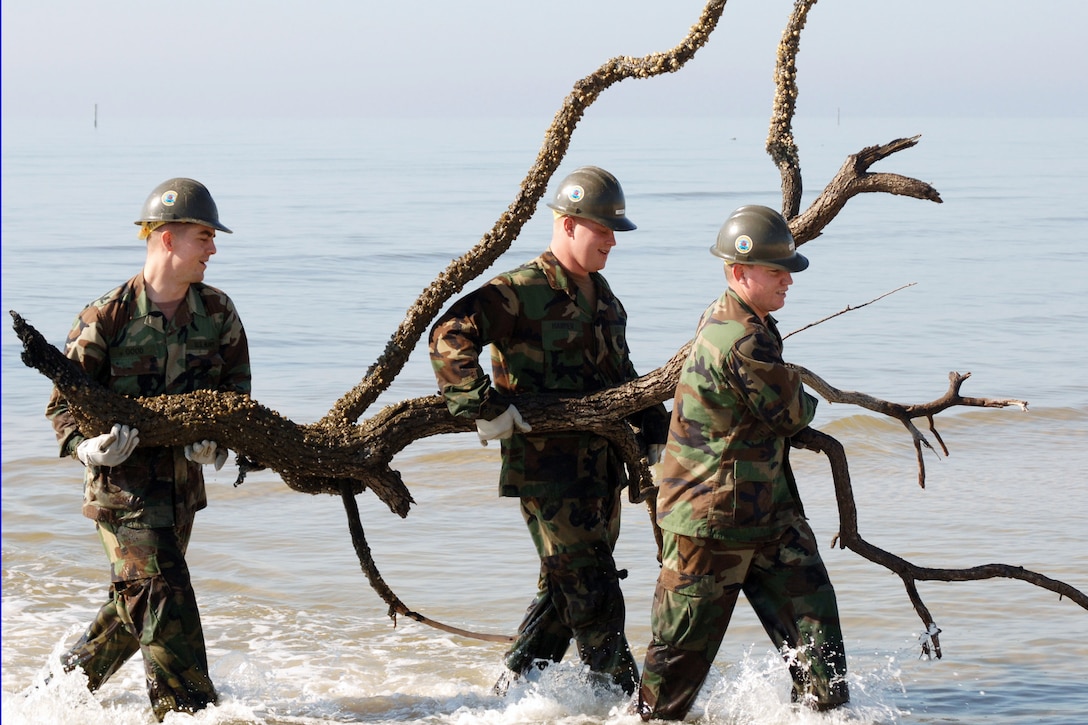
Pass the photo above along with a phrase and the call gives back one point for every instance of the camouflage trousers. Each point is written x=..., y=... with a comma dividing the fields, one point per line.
x=787, y=585
x=578, y=593
x=152, y=608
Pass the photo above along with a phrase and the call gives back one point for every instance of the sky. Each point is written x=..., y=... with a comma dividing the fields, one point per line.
x=475, y=58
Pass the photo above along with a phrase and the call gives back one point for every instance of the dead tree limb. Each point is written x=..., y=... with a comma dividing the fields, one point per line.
x=849, y=538
x=848, y=308
x=853, y=177
x=348, y=464
x=906, y=414
x=364, y=461
x=370, y=569
x=309, y=458
x=780, y=142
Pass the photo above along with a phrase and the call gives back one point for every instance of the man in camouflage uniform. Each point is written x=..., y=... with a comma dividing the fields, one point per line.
x=728, y=505
x=554, y=326
x=162, y=332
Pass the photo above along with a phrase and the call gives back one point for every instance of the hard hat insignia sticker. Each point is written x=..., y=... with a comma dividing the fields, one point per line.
x=744, y=244
x=169, y=198
x=575, y=193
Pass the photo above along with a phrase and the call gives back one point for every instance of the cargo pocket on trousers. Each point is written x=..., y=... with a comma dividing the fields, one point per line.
x=678, y=600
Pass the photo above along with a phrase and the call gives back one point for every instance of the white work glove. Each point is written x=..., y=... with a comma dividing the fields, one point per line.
x=109, y=449
x=654, y=452
x=205, y=453
x=502, y=426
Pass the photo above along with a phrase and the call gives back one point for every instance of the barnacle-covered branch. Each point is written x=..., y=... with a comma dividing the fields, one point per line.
x=497, y=241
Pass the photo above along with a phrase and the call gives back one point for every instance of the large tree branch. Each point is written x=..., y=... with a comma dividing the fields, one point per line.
x=314, y=459
x=852, y=179
x=363, y=461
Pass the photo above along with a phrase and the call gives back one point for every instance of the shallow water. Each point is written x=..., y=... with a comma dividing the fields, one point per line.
x=335, y=236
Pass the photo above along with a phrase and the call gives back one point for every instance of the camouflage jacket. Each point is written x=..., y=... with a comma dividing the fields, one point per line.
x=544, y=339
x=725, y=473
x=125, y=343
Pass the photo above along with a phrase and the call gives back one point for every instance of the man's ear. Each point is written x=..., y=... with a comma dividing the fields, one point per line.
x=168, y=240
x=568, y=225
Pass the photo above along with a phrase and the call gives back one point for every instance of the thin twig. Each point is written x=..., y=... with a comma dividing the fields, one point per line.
x=849, y=308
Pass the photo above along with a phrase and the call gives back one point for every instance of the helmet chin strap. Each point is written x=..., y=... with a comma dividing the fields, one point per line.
x=146, y=228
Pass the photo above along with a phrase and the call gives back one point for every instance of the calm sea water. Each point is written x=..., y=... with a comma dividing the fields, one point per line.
x=338, y=227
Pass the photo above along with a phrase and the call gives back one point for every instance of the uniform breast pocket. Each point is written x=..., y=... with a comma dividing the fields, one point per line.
x=203, y=368
x=745, y=494
x=136, y=375
x=564, y=355
x=615, y=336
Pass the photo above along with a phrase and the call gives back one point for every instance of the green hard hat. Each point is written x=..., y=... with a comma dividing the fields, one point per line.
x=758, y=235
x=181, y=200
x=592, y=193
